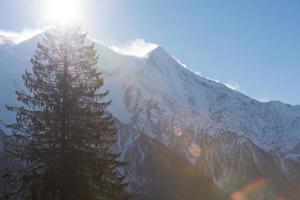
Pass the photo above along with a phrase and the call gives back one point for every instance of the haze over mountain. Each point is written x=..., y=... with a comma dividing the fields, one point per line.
x=171, y=117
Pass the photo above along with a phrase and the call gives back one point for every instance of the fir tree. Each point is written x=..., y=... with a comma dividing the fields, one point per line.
x=63, y=133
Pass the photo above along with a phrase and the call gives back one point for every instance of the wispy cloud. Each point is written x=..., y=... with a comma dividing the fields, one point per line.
x=232, y=85
x=138, y=47
x=17, y=37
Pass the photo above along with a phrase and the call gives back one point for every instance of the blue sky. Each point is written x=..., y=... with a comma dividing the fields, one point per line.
x=252, y=45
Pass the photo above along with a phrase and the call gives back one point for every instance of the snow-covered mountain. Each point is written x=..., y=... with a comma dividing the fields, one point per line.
x=226, y=135
x=159, y=93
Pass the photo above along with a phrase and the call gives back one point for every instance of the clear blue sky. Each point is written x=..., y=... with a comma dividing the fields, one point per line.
x=255, y=43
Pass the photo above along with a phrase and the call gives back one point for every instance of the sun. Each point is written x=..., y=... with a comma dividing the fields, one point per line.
x=63, y=12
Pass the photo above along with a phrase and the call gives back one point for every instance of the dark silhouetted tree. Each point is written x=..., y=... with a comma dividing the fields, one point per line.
x=63, y=133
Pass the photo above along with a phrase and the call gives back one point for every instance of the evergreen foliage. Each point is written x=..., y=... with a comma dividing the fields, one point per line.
x=63, y=133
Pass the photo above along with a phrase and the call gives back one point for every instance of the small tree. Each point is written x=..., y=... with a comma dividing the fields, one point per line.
x=63, y=133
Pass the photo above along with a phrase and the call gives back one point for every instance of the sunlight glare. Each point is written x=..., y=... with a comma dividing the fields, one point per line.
x=63, y=12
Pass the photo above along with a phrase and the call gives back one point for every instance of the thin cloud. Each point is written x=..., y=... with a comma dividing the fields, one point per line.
x=8, y=36
x=232, y=85
x=138, y=47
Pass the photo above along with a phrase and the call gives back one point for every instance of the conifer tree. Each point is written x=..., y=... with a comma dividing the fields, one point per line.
x=63, y=133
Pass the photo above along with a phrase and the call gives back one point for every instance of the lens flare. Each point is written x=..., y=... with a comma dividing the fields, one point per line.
x=177, y=131
x=248, y=189
x=194, y=150
x=237, y=196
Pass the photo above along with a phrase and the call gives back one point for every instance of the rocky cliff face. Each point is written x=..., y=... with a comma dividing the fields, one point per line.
x=229, y=137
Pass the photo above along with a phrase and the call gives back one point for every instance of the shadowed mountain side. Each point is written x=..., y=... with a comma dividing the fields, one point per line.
x=5, y=162
x=168, y=176
x=293, y=192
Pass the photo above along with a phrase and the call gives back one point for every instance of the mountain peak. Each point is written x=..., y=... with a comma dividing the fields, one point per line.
x=160, y=55
x=158, y=51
